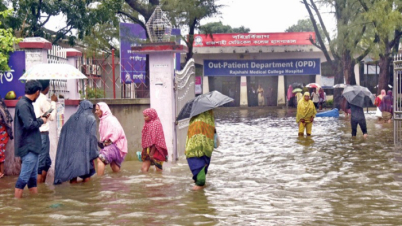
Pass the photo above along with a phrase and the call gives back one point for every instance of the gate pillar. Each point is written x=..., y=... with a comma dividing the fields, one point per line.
x=161, y=82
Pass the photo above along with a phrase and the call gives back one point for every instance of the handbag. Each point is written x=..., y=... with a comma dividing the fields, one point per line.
x=217, y=142
x=378, y=113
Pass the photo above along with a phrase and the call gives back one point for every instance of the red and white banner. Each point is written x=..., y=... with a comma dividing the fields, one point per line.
x=254, y=39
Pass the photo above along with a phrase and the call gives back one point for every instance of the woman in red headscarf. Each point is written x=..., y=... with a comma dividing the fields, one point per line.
x=154, y=150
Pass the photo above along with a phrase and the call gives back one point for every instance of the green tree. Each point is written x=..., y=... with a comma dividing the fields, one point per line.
x=7, y=42
x=304, y=25
x=347, y=48
x=187, y=15
x=386, y=19
x=219, y=28
x=30, y=17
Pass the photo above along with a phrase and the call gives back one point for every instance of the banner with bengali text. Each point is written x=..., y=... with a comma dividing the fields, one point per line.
x=254, y=39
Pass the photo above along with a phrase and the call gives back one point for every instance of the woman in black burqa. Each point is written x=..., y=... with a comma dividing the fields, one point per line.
x=77, y=147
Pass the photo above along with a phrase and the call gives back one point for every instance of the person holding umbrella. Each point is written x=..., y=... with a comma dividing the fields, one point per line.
x=306, y=112
x=199, y=146
x=355, y=96
x=201, y=132
x=41, y=106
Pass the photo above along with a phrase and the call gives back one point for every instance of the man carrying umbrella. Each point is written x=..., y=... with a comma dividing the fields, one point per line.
x=355, y=95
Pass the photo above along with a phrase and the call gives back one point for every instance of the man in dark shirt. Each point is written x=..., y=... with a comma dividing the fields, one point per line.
x=357, y=117
x=27, y=140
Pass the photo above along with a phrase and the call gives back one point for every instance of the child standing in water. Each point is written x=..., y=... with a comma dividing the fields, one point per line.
x=154, y=150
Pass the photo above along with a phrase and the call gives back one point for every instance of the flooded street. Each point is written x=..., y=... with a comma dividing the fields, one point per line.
x=263, y=174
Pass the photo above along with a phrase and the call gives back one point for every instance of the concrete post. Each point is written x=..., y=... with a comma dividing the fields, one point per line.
x=205, y=84
x=243, y=91
x=281, y=90
x=162, y=88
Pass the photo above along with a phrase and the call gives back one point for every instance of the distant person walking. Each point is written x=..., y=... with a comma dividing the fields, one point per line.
x=315, y=97
x=199, y=146
x=6, y=133
x=357, y=118
x=290, y=95
x=306, y=112
x=113, y=141
x=386, y=107
x=377, y=103
x=154, y=150
x=41, y=106
x=78, y=146
x=261, y=100
x=28, y=143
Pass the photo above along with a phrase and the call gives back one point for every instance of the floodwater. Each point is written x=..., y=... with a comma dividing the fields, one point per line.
x=263, y=174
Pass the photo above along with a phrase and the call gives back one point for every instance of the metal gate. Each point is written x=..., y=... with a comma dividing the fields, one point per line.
x=185, y=91
x=397, y=93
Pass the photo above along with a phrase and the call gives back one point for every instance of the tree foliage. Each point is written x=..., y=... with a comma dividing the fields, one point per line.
x=187, y=15
x=7, y=42
x=385, y=19
x=218, y=27
x=347, y=48
x=304, y=25
x=31, y=16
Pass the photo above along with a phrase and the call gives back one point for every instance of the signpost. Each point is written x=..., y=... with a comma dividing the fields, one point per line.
x=262, y=67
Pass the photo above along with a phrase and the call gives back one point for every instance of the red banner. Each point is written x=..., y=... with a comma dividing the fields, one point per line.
x=254, y=39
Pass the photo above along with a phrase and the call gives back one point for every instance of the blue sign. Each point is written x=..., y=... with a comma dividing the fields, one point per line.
x=133, y=64
x=262, y=67
x=9, y=79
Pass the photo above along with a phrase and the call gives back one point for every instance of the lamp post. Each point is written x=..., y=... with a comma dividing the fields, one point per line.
x=159, y=27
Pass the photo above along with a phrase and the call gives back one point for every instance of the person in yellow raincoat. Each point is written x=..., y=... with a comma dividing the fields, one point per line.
x=305, y=114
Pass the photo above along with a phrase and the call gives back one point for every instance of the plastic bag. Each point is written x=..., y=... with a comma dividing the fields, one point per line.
x=378, y=113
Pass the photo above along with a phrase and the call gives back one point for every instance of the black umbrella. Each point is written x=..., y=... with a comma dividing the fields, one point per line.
x=297, y=85
x=356, y=94
x=202, y=104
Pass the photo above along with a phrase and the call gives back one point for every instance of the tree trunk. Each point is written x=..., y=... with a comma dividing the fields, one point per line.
x=338, y=80
x=348, y=68
x=384, y=65
x=190, y=42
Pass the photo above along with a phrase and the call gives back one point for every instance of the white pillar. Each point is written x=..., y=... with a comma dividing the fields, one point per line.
x=357, y=74
x=318, y=79
x=205, y=84
x=162, y=95
x=281, y=90
x=243, y=91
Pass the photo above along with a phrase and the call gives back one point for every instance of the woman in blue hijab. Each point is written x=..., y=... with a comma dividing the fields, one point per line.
x=78, y=146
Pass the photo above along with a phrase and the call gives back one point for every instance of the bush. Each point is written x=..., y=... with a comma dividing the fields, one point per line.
x=93, y=93
x=330, y=103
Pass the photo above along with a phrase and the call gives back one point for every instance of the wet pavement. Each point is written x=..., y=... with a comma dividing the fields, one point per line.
x=263, y=174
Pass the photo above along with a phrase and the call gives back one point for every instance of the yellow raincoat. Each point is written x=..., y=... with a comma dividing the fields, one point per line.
x=305, y=110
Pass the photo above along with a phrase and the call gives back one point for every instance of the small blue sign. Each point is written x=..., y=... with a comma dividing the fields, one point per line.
x=262, y=67
x=9, y=79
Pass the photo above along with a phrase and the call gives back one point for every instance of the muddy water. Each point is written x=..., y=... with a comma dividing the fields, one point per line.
x=263, y=174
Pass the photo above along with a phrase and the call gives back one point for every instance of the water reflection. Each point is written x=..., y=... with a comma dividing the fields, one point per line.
x=263, y=173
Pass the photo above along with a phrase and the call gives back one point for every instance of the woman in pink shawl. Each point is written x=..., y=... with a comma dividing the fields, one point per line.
x=154, y=151
x=289, y=95
x=112, y=140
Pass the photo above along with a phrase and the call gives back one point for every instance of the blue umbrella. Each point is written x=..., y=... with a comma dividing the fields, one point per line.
x=202, y=104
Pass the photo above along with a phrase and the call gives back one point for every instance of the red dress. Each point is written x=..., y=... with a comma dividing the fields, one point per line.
x=3, y=142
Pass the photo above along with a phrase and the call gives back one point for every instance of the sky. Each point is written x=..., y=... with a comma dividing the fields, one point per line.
x=258, y=15
x=265, y=15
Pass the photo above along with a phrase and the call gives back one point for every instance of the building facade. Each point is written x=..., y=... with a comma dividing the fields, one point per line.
x=257, y=68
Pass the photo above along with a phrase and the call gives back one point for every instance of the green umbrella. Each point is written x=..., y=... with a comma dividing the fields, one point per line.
x=297, y=90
